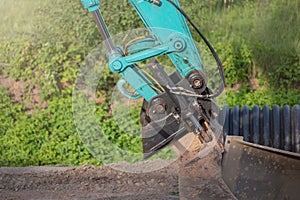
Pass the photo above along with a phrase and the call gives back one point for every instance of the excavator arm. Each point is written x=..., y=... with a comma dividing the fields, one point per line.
x=174, y=104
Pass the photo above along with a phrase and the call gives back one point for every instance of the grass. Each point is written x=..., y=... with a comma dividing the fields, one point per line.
x=18, y=16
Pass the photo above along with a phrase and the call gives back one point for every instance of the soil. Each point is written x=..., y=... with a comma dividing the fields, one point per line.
x=200, y=175
x=86, y=182
x=190, y=177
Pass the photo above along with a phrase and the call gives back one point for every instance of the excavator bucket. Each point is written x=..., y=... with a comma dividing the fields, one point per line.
x=254, y=171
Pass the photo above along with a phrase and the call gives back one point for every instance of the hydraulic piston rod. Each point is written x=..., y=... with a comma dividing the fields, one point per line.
x=103, y=31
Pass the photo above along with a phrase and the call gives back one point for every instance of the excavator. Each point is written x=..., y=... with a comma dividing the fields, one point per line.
x=173, y=104
x=179, y=103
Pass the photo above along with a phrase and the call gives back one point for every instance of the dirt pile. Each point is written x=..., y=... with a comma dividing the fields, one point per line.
x=188, y=178
x=86, y=182
x=201, y=177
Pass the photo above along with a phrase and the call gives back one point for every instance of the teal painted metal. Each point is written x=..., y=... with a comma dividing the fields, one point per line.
x=139, y=81
x=124, y=92
x=91, y=5
x=172, y=35
x=164, y=20
x=118, y=63
x=140, y=45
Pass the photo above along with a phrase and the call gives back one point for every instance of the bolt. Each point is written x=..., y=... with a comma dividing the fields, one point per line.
x=186, y=60
x=117, y=65
x=178, y=45
x=156, y=2
x=197, y=83
x=160, y=108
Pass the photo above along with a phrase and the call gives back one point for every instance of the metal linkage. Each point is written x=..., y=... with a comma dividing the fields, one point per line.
x=91, y=5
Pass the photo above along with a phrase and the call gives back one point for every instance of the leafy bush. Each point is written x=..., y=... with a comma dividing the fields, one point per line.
x=255, y=40
x=47, y=137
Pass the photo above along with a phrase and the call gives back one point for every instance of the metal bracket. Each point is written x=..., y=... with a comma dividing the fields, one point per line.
x=119, y=63
x=91, y=5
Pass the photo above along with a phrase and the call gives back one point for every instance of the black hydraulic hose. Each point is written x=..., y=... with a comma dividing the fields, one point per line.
x=212, y=50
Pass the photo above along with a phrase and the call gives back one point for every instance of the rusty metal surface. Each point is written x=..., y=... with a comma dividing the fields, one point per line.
x=258, y=172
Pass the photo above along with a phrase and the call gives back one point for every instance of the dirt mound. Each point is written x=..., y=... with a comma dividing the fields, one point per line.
x=86, y=182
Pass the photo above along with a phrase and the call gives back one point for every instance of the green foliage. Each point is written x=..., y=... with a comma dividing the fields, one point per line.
x=48, y=41
x=120, y=16
x=262, y=97
x=236, y=62
x=255, y=40
x=127, y=135
x=48, y=137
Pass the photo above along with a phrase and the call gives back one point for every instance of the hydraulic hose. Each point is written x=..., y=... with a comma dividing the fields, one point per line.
x=212, y=50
